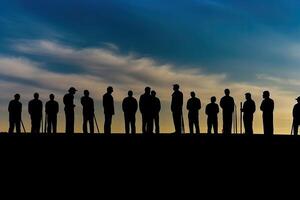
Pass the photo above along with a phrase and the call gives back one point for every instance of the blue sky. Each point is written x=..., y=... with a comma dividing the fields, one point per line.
x=250, y=42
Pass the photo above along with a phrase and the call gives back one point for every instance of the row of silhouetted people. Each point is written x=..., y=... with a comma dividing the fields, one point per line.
x=150, y=106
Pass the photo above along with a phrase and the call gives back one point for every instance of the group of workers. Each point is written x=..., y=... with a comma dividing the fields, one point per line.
x=150, y=106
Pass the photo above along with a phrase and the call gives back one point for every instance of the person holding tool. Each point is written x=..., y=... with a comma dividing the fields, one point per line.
x=88, y=112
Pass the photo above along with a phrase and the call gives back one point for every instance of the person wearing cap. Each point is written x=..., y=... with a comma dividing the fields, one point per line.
x=35, y=109
x=296, y=116
x=267, y=107
x=52, y=109
x=15, y=113
x=227, y=104
x=88, y=112
x=109, y=110
x=69, y=110
x=176, y=108
x=248, y=110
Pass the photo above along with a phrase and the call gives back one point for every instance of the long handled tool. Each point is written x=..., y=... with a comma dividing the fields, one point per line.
x=292, y=129
x=23, y=126
x=46, y=120
x=241, y=118
x=182, y=124
x=42, y=120
x=96, y=123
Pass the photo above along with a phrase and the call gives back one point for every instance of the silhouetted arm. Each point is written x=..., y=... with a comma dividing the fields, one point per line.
x=135, y=106
x=159, y=105
x=200, y=104
x=206, y=109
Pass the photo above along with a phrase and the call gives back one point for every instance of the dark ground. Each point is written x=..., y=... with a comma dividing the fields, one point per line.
x=149, y=163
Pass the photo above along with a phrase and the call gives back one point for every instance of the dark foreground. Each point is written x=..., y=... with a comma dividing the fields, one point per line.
x=159, y=160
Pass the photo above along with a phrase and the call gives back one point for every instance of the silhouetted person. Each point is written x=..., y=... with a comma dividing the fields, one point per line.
x=109, y=110
x=35, y=109
x=145, y=104
x=156, y=106
x=212, y=111
x=15, y=113
x=88, y=112
x=267, y=107
x=52, y=109
x=248, y=110
x=130, y=106
x=227, y=104
x=296, y=116
x=193, y=106
x=69, y=110
x=176, y=108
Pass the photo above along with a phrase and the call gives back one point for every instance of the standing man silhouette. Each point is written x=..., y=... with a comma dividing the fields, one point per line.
x=130, y=106
x=52, y=109
x=296, y=116
x=227, y=104
x=145, y=104
x=193, y=106
x=88, y=112
x=156, y=107
x=35, y=109
x=15, y=113
x=69, y=110
x=212, y=111
x=109, y=110
x=248, y=110
x=267, y=107
x=176, y=108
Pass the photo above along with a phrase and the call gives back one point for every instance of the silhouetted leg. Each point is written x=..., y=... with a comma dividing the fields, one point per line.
x=49, y=124
x=54, y=124
x=18, y=126
x=215, y=125
x=296, y=126
x=177, y=122
x=69, y=122
x=132, y=122
x=150, y=124
x=84, y=125
x=197, y=125
x=209, y=125
x=91, y=122
x=156, y=120
x=191, y=125
x=127, y=122
x=144, y=123
x=107, y=124
x=11, y=126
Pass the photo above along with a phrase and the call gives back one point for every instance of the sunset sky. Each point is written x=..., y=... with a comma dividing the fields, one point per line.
x=203, y=45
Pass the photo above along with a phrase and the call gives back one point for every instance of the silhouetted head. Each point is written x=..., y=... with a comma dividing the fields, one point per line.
x=213, y=99
x=51, y=96
x=227, y=92
x=72, y=90
x=110, y=90
x=298, y=99
x=153, y=93
x=193, y=94
x=17, y=97
x=248, y=96
x=176, y=87
x=86, y=93
x=266, y=94
x=147, y=90
x=130, y=93
x=36, y=95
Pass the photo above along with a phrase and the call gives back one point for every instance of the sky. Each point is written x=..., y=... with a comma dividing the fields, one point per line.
x=203, y=45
